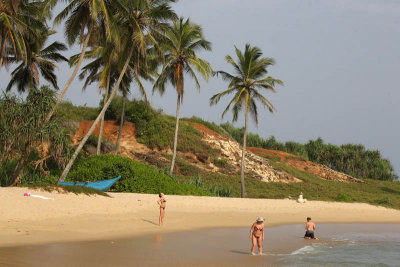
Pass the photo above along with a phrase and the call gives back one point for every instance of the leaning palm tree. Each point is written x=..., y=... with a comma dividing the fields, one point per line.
x=137, y=22
x=83, y=20
x=249, y=78
x=39, y=60
x=180, y=44
x=104, y=70
x=104, y=56
x=146, y=70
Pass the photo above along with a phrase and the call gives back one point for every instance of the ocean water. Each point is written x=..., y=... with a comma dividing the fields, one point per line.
x=350, y=249
x=338, y=245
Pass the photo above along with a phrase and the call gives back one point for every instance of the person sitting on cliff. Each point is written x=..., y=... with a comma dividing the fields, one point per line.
x=301, y=199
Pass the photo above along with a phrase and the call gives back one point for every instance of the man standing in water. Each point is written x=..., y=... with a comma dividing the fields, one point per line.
x=257, y=235
x=162, y=203
x=310, y=228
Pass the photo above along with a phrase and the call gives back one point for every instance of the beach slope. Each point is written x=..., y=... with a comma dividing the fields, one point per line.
x=70, y=217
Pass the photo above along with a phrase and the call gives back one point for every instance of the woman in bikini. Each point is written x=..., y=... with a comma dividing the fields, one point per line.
x=257, y=235
x=162, y=203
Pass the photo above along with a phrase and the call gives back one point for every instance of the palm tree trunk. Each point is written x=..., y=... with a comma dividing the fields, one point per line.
x=176, y=135
x=121, y=125
x=82, y=143
x=64, y=90
x=244, y=194
x=102, y=118
x=16, y=176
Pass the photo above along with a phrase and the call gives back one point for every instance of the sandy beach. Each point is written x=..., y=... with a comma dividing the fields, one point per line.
x=70, y=217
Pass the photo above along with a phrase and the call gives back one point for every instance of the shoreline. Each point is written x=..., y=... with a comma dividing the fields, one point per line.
x=284, y=246
x=71, y=218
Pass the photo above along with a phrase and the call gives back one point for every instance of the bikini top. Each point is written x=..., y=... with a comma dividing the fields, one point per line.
x=258, y=227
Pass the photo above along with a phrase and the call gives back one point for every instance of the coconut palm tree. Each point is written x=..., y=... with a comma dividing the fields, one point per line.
x=82, y=22
x=180, y=44
x=249, y=79
x=104, y=70
x=18, y=19
x=137, y=22
x=104, y=56
x=39, y=60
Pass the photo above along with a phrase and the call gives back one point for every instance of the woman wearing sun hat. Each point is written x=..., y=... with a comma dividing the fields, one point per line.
x=257, y=235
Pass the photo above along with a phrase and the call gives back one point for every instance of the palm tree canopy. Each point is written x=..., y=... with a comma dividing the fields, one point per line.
x=180, y=44
x=39, y=60
x=249, y=78
x=19, y=19
x=84, y=14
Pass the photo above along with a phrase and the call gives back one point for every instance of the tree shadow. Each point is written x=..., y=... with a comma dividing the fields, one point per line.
x=389, y=190
x=148, y=221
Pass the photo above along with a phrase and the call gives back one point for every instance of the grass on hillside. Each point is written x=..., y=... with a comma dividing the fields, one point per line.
x=209, y=125
x=68, y=112
x=375, y=192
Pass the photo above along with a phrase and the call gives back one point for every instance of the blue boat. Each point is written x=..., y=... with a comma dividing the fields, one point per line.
x=100, y=185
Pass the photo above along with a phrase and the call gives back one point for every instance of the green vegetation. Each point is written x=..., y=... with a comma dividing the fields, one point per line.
x=351, y=159
x=22, y=129
x=222, y=162
x=69, y=112
x=124, y=41
x=209, y=125
x=136, y=177
x=155, y=129
x=375, y=192
x=214, y=189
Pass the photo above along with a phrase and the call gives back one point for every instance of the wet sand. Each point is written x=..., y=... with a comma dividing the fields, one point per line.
x=211, y=247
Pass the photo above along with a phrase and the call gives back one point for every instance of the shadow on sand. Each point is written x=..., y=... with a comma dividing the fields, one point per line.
x=145, y=220
x=240, y=252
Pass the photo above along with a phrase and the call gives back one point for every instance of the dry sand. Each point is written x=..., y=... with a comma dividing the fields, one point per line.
x=70, y=217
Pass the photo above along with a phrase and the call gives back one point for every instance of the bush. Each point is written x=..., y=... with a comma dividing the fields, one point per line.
x=66, y=111
x=220, y=191
x=342, y=198
x=215, y=189
x=351, y=159
x=222, y=162
x=136, y=177
x=6, y=169
x=385, y=201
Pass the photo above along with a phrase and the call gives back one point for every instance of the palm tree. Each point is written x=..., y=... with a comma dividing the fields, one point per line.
x=84, y=15
x=146, y=71
x=249, y=78
x=38, y=59
x=104, y=70
x=180, y=44
x=137, y=22
x=104, y=57
x=18, y=19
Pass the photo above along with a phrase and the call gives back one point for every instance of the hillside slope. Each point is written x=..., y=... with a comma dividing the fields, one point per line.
x=228, y=154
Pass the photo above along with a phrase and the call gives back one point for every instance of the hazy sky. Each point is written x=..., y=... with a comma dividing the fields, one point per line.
x=339, y=60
